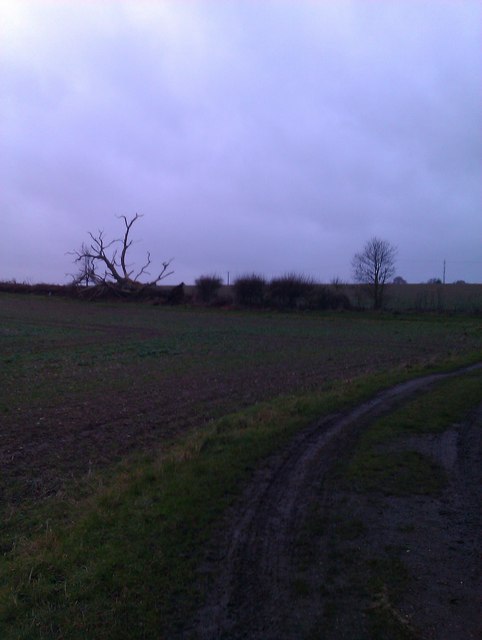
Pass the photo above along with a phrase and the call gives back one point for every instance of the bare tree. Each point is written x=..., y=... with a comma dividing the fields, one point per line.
x=111, y=257
x=86, y=274
x=374, y=266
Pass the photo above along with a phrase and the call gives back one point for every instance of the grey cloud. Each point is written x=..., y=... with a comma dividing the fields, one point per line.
x=276, y=135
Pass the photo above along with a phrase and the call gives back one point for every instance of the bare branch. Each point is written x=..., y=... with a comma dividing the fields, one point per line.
x=143, y=268
x=126, y=243
x=87, y=273
x=113, y=256
x=374, y=266
x=164, y=273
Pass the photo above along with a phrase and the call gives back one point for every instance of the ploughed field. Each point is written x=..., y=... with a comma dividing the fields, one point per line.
x=82, y=385
x=142, y=446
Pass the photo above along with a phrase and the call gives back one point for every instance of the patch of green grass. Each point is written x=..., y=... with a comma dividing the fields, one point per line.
x=432, y=411
x=361, y=592
x=387, y=573
x=386, y=623
x=407, y=528
x=388, y=578
x=380, y=462
x=349, y=529
x=398, y=473
x=300, y=588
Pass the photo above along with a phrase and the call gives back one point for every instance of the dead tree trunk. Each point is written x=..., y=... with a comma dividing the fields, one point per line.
x=111, y=256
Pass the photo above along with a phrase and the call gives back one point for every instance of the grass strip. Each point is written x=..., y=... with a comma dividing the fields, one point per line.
x=378, y=464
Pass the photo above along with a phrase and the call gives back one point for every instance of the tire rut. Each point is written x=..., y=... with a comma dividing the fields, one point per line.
x=249, y=568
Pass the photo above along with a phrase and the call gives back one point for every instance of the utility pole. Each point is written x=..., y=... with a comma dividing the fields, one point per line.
x=443, y=280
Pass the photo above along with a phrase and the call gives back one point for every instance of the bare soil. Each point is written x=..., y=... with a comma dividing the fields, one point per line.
x=82, y=386
x=295, y=557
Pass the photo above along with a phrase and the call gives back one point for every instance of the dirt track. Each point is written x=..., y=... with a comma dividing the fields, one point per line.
x=250, y=572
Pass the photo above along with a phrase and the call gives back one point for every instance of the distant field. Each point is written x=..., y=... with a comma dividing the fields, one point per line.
x=82, y=384
x=85, y=386
x=452, y=298
x=465, y=298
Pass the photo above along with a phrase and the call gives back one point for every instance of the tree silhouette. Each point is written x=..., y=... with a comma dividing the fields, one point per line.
x=112, y=258
x=374, y=266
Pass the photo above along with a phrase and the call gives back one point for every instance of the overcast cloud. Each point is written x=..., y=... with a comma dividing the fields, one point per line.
x=253, y=136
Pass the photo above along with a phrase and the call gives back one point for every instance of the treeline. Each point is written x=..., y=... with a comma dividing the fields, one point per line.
x=101, y=291
x=290, y=291
x=12, y=286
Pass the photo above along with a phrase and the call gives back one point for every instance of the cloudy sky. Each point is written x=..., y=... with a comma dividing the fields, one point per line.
x=265, y=136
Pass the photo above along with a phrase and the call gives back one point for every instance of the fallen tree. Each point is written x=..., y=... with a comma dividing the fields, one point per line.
x=105, y=265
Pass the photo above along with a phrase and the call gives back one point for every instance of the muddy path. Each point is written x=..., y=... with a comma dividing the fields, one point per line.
x=249, y=576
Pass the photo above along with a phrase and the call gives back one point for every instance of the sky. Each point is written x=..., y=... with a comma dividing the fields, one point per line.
x=252, y=136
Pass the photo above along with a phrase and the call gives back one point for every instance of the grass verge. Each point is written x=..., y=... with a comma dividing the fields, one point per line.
x=379, y=464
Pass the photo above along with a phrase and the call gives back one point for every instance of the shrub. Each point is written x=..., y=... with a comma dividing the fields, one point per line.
x=207, y=288
x=337, y=282
x=291, y=291
x=327, y=298
x=249, y=290
x=176, y=294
